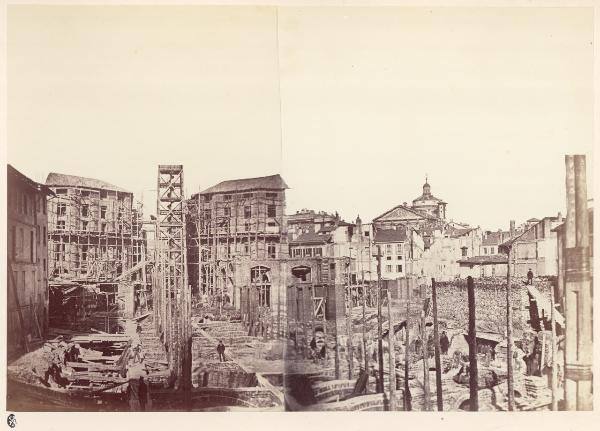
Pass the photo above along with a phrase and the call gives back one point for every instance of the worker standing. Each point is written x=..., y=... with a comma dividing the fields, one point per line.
x=221, y=351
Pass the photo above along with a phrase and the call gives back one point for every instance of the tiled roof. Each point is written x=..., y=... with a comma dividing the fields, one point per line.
x=483, y=260
x=455, y=233
x=311, y=238
x=390, y=235
x=271, y=182
x=494, y=238
x=63, y=180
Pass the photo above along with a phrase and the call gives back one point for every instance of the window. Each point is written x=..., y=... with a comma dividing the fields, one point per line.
x=260, y=278
x=398, y=268
x=400, y=248
x=271, y=251
x=227, y=212
x=247, y=211
x=318, y=251
x=247, y=226
x=61, y=191
x=271, y=211
x=103, y=194
x=227, y=197
x=388, y=258
x=492, y=250
x=84, y=251
x=60, y=225
x=84, y=225
x=207, y=214
x=388, y=249
x=247, y=195
x=37, y=235
x=464, y=251
x=271, y=195
x=45, y=234
x=103, y=227
x=61, y=209
x=297, y=252
x=308, y=252
x=85, y=209
x=388, y=268
x=246, y=248
x=484, y=250
x=103, y=212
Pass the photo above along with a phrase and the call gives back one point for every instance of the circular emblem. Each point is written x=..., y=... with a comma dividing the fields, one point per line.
x=11, y=420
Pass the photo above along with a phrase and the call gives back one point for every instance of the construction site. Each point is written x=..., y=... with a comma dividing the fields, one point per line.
x=204, y=308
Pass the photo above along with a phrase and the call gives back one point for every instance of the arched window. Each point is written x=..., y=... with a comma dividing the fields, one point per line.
x=260, y=278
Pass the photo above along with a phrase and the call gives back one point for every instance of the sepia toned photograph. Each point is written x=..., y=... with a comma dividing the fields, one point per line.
x=294, y=208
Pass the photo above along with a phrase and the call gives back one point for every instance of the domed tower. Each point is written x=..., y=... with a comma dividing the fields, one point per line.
x=429, y=204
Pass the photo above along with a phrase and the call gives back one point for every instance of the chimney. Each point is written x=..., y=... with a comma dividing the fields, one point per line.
x=512, y=228
x=559, y=217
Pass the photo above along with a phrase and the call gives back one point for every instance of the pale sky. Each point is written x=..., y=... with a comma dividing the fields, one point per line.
x=353, y=106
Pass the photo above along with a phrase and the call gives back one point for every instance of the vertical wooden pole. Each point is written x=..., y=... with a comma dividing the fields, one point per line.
x=571, y=295
x=581, y=277
x=426, y=387
x=392, y=354
x=554, y=381
x=509, y=341
x=349, y=332
x=473, y=374
x=407, y=395
x=379, y=317
x=436, y=339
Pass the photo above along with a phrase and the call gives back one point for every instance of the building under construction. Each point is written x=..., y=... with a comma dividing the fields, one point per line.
x=95, y=240
x=237, y=240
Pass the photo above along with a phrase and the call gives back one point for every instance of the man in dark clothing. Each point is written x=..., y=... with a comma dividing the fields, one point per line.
x=444, y=343
x=221, y=351
x=142, y=394
x=530, y=276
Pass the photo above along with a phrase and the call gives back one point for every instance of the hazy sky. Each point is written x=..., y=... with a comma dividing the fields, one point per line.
x=485, y=101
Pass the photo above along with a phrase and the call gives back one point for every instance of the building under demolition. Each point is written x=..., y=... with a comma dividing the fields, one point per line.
x=237, y=243
x=27, y=311
x=95, y=239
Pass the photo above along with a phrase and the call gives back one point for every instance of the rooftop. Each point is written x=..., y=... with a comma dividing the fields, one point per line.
x=271, y=182
x=312, y=238
x=390, y=235
x=62, y=180
x=15, y=175
x=484, y=260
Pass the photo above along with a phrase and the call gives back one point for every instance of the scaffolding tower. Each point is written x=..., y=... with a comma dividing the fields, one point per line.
x=173, y=305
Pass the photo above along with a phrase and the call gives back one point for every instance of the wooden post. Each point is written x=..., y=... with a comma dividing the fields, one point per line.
x=473, y=374
x=379, y=317
x=426, y=388
x=349, y=346
x=509, y=350
x=392, y=354
x=407, y=395
x=364, y=323
x=554, y=381
x=580, y=276
x=436, y=339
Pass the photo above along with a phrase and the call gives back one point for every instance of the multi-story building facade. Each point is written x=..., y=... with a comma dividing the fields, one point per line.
x=536, y=248
x=94, y=232
x=27, y=264
x=237, y=241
